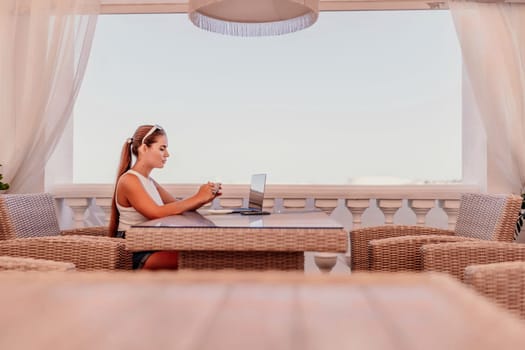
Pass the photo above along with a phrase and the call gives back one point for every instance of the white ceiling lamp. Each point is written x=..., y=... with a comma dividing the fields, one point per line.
x=253, y=17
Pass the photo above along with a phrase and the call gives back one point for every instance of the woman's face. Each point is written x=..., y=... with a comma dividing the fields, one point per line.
x=157, y=153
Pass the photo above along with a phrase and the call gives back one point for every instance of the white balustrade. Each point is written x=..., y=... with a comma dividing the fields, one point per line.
x=421, y=199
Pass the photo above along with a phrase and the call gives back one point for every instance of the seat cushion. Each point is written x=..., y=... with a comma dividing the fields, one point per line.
x=479, y=215
x=27, y=215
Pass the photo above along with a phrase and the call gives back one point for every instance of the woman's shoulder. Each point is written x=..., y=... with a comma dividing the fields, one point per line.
x=138, y=175
x=128, y=179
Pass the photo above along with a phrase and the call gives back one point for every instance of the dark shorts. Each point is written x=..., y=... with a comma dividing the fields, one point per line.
x=139, y=258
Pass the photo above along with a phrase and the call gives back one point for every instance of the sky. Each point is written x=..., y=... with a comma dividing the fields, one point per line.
x=362, y=96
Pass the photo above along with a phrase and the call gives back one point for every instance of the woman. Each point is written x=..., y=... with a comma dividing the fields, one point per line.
x=138, y=198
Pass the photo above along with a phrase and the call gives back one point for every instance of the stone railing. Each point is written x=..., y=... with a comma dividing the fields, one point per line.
x=353, y=206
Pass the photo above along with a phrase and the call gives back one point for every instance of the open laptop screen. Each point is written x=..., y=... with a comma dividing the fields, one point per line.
x=255, y=200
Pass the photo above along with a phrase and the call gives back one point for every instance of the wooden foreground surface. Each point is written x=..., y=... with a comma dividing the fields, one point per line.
x=220, y=310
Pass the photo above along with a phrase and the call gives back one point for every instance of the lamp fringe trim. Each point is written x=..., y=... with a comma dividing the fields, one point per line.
x=253, y=29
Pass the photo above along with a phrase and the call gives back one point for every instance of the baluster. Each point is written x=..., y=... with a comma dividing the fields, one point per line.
x=451, y=208
x=104, y=203
x=227, y=203
x=389, y=207
x=326, y=205
x=357, y=207
x=79, y=206
x=342, y=215
x=294, y=203
x=325, y=262
x=421, y=207
x=268, y=204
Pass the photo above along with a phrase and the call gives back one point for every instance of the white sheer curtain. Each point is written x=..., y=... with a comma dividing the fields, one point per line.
x=492, y=38
x=45, y=46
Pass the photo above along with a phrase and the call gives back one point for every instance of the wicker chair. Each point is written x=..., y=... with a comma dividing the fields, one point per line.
x=453, y=258
x=397, y=248
x=29, y=228
x=504, y=283
x=34, y=215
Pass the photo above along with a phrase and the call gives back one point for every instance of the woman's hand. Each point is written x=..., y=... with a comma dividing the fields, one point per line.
x=217, y=188
x=208, y=192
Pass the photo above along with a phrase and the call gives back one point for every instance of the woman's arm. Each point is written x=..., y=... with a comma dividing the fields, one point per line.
x=164, y=195
x=168, y=197
x=130, y=192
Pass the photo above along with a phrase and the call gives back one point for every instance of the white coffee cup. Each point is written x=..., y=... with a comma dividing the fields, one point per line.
x=216, y=187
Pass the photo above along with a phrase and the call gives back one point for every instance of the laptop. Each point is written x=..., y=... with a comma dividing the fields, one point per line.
x=256, y=197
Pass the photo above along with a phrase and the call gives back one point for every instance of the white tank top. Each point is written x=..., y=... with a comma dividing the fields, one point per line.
x=128, y=215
